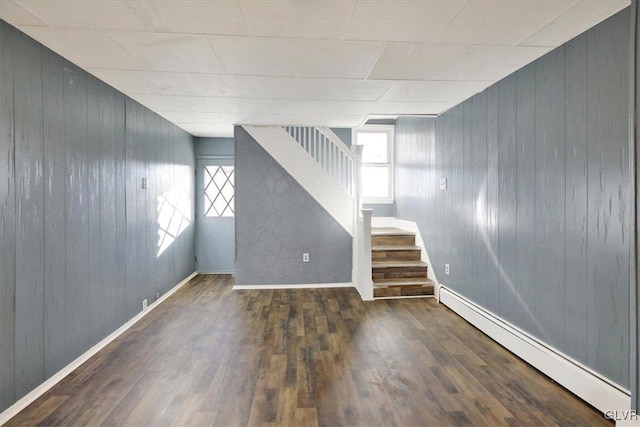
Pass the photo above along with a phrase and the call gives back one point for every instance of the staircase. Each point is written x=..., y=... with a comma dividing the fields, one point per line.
x=397, y=268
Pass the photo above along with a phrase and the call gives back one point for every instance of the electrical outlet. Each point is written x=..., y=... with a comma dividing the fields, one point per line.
x=305, y=257
x=443, y=183
x=144, y=304
x=446, y=269
x=144, y=183
x=157, y=295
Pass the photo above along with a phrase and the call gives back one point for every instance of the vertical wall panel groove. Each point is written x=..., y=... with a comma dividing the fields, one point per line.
x=55, y=214
x=7, y=222
x=29, y=158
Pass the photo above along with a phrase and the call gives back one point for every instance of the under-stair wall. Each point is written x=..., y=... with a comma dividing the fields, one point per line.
x=534, y=221
x=277, y=221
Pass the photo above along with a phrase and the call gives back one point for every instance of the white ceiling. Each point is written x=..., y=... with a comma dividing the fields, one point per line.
x=206, y=65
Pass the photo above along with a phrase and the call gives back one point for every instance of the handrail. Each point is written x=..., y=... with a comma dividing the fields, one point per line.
x=326, y=148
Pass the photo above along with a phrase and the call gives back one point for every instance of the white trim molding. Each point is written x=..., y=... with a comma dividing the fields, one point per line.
x=582, y=381
x=291, y=286
x=34, y=394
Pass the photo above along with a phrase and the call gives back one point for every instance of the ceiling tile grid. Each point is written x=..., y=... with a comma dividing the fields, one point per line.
x=207, y=65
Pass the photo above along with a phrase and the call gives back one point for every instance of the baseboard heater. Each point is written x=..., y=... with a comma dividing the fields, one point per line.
x=571, y=374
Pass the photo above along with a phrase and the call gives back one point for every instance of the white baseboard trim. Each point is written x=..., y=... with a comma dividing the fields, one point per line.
x=34, y=394
x=405, y=297
x=571, y=374
x=215, y=272
x=302, y=286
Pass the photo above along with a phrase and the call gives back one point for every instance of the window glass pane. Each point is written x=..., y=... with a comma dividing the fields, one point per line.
x=218, y=191
x=375, y=181
x=375, y=148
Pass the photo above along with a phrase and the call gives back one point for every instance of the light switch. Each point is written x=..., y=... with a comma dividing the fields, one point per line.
x=443, y=183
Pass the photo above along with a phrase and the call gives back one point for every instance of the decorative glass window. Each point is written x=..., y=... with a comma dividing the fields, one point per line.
x=376, y=163
x=218, y=191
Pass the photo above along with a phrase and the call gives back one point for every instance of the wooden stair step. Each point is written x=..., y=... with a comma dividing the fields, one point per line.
x=404, y=281
x=397, y=264
x=392, y=237
x=391, y=231
x=396, y=248
x=403, y=289
x=395, y=253
x=398, y=270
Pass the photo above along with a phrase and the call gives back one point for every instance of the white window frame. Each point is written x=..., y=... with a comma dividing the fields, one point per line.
x=389, y=130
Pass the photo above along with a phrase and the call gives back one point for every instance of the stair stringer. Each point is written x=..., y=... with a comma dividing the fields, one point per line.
x=306, y=171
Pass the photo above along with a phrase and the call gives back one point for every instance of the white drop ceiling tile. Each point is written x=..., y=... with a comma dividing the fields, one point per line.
x=170, y=52
x=255, y=106
x=297, y=19
x=357, y=90
x=500, y=22
x=223, y=129
x=425, y=107
x=116, y=15
x=151, y=82
x=490, y=63
x=401, y=20
x=16, y=15
x=435, y=91
x=191, y=104
x=251, y=56
x=404, y=61
x=289, y=57
x=334, y=59
x=193, y=17
x=194, y=118
x=262, y=87
x=86, y=48
x=304, y=120
x=573, y=22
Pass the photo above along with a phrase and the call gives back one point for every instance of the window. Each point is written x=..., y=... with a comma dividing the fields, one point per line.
x=218, y=191
x=377, y=163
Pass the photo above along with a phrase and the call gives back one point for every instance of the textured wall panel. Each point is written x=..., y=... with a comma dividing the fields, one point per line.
x=55, y=210
x=549, y=202
x=277, y=221
x=28, y=105
x=77, y=213
x=608, y=230
x=507, y=244
x=64, y=249
x=7, y=222
x=537, y=223
x=575, y=267
x=490, y=240
x=526, y=197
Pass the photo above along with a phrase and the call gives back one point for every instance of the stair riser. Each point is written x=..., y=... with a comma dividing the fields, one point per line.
x=393, y=240
x=390, y=273
x=402, y=291
x=408, y=255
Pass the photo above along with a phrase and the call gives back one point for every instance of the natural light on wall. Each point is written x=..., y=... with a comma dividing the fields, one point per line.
x=174, y=213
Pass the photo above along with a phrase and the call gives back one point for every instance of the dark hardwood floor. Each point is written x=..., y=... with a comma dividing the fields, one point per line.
x=212, y=356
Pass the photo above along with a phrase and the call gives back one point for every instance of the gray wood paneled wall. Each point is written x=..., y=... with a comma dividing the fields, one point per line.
x=78, y=234
x=535, y=221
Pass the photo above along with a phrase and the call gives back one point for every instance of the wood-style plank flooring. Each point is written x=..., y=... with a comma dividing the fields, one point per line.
x=213, y=356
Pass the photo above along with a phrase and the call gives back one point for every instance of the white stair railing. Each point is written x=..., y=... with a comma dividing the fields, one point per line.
x=328, y=150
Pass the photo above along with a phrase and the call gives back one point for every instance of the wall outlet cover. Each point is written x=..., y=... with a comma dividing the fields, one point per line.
x=446, y=269
x=144, y=304
x=305, y=257
x=443, y=183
